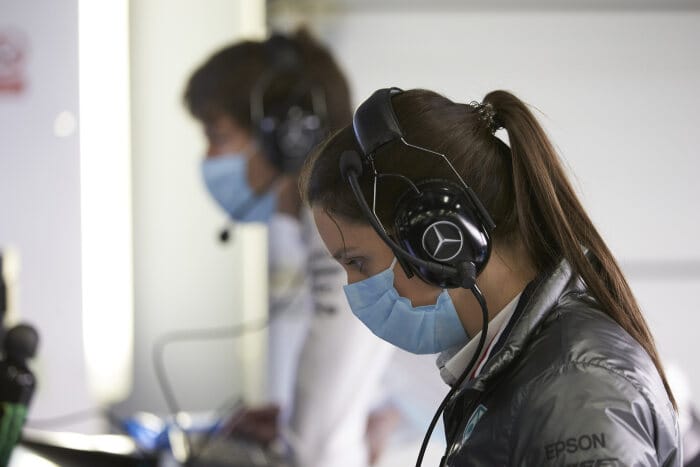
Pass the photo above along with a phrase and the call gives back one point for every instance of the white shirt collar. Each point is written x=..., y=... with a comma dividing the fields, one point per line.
x=451, y=369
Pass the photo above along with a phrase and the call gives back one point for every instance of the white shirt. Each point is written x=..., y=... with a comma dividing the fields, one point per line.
x=451, y=368
x=291, y=306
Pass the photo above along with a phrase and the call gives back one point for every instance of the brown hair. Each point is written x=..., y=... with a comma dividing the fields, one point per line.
x=524, y=188
x=225, y=82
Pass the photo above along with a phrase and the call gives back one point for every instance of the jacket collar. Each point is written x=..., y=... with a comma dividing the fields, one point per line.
x=536, y=303
x=452, y=363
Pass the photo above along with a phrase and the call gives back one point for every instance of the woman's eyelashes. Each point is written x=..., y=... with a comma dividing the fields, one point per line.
x=356, y=263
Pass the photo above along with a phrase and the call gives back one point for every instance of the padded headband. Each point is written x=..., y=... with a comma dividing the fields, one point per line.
x=375, y=122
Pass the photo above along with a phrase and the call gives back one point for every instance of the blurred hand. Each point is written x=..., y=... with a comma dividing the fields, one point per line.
x=380, y=424
x=256, y=423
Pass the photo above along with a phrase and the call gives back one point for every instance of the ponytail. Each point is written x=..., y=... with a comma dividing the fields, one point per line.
x=553, y=224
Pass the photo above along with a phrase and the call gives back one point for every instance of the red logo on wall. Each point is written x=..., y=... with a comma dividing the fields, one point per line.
x=13, y=52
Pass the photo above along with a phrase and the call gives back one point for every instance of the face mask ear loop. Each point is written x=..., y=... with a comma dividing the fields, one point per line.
x=393, y=263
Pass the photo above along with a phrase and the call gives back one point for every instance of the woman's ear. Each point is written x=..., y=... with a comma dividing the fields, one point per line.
x=261, y=172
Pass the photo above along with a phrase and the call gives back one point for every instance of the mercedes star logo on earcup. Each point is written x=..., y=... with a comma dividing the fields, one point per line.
x=443, y=240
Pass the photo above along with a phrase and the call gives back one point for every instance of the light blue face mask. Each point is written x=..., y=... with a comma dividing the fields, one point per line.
x=227, y=181
x=421, y=330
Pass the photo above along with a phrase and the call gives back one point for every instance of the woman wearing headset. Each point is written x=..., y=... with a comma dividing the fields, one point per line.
x=263, y=105
x=566, y=372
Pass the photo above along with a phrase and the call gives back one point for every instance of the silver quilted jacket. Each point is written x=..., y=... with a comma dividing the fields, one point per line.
x=565, y=386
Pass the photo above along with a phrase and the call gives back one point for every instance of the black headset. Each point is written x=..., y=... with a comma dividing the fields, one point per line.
x=288, y=131
x=442, y=230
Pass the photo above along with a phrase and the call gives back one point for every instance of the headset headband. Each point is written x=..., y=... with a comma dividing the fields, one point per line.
x=375, y=122
x=284, y=56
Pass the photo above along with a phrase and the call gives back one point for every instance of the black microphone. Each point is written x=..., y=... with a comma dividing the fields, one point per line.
x=350, y=161
x=351, y=169
x=17, y=384
x=226, y=231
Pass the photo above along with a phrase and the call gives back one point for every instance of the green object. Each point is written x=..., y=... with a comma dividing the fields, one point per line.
x=11, y=422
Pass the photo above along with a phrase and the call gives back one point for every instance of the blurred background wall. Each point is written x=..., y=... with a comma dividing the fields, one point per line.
x=615, y=83
x=40, y=190
x=115, y=236
x=184, y=278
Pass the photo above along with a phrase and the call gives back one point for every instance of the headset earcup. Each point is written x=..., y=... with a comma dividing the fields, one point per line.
x=290, y=128
x=296, y=136
x=438, y=223
x=287, y=142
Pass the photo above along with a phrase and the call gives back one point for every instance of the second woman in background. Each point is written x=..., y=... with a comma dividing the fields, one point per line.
x=263, y=106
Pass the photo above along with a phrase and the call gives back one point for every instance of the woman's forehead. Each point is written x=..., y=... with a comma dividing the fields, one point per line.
x=340, y=234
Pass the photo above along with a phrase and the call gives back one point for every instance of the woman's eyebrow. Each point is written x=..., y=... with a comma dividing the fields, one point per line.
x=343, y=252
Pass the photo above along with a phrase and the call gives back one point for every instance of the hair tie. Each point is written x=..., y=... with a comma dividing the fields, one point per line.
x=487, y=114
